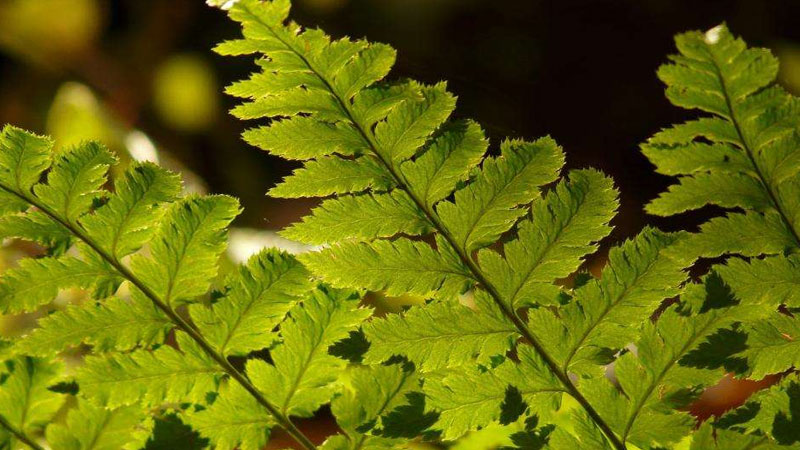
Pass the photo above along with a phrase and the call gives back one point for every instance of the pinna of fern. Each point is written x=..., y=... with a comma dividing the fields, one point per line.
x=743, y=156
x=29, y=405
x=415, y=207
x=162, y=340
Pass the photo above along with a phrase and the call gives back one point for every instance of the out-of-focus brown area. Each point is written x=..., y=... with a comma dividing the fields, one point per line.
x=139, y=76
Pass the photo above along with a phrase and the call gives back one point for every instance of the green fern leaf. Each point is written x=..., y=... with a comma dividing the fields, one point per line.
x=659, y=378
x=35, y=226
x=234, y=420
x=303, y=375
x=74, y=180
x=23, y=158
x=640, y=274
x=328, y=175
x=27, y=404
x=372, y=392
x=453, y=153
x=36, y=282
x=751, y=162
x=470, y=397
x=302, y=378
x=91, y=427
x=185, y=249
x=441, y=335
x=148, y=377
x=456, y=200
x=360, y=218
x=185, y=238
x=408, y=126
x=773, y=281
x=585, y=434
x=487, y=208
x=770, y=414
x=305, y=138
x=772, y=345
x=398, y=267
x=259, y=296
x=709, y=438
x=114, y=324
x=126, y=221
x=564, y=227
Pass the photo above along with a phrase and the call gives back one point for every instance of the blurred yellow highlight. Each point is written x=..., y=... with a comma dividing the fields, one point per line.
x=185, y=93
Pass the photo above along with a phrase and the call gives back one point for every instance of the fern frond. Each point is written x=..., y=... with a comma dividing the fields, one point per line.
x=457, y=148
x=396, y=267
x=185, y=249
x=487, y=207
x=706, y=437
x=184, y=239
x=596, y=324
x=360, y=218
x=36, y=282
x=661, y=376
x=23, y=158
x=770, y=414
x=774, y=281
x=302, y=376
x=773, y=345
x=564, y=227
x=127, y=220
x=437, y=185
x=74, y=180
x=743, y=156
x=325, y=176
x=234, y=420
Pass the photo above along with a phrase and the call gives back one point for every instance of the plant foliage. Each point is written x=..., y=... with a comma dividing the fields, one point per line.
x=510, y=339
x=414, y=204
x=744, y=156
x=160, y=342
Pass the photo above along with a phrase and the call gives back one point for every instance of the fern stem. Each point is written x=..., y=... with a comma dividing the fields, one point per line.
x=750, y=154
x=183, y=325
x=433, y=218
x=22, y=437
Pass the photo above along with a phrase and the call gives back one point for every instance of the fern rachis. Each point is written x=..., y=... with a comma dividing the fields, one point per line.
x=388, y=157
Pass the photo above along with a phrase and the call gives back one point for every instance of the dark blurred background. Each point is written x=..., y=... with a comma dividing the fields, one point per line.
x=140, y=76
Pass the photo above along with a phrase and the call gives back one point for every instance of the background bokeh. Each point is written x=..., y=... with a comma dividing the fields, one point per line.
x=139, y=76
